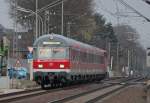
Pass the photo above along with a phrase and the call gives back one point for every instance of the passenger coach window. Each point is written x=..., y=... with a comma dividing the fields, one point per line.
x=52, y=53
x=73, y=55
x=102, y=60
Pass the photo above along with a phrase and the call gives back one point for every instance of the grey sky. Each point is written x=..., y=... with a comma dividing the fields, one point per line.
x=139, y=24
x=142, y=26
x=4, y=17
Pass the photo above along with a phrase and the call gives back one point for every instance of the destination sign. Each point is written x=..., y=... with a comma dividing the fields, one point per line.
x=51, y=43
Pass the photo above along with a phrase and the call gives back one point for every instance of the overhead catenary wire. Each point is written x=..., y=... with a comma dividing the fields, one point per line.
x=47, y=7
x=130, y=7
x=50, y=5
x=106, y=10
x=117, y=14
x=53, y=4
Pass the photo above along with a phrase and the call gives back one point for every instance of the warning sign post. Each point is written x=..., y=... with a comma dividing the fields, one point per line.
x=30, y=49
x=30, y=60
x=18, y=64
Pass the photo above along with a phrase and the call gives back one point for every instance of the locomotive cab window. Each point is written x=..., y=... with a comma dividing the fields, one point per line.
x=59, y=53
x=51, y=53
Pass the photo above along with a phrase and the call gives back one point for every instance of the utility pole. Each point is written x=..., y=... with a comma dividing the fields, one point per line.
x=117, y=12
x=48, y=22
x=39, y=26
x=129, y=60
x=45, y=22
x=111, y=62
x=15, y=40
x=62, y=18
x=36, y=20
x=109, y=56
x=68, y=29
x=109, y=51
x=118, y=57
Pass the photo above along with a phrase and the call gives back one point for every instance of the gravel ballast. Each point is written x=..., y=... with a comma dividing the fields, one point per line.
x=132, y=94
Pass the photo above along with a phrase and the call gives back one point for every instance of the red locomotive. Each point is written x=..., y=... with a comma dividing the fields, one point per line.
x=58, y=60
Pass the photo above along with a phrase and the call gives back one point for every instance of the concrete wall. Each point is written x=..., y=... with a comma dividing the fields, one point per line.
x=4, y=82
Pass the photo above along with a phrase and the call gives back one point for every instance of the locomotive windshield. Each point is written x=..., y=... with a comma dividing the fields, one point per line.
x=50, y=53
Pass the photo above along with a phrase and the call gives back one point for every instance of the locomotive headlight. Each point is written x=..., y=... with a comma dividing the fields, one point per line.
x=40, y=66
x=61, y=66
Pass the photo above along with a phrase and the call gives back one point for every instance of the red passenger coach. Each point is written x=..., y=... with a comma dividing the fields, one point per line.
x=58, y=60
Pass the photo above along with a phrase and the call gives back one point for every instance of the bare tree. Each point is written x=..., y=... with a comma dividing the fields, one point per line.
x=129, y=45
x=77, y=15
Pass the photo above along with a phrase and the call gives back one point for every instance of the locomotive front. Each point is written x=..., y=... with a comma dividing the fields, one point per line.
x=50, y=60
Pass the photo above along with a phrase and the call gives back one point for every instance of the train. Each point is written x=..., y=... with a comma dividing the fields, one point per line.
x=58, y=60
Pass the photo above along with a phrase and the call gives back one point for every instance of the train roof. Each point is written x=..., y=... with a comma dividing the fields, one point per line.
x=68, y=42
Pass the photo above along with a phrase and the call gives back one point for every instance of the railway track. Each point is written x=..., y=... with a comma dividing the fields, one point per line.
x=95, y=95
x=110, y=92
x=5, y=98
x=36, y=92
